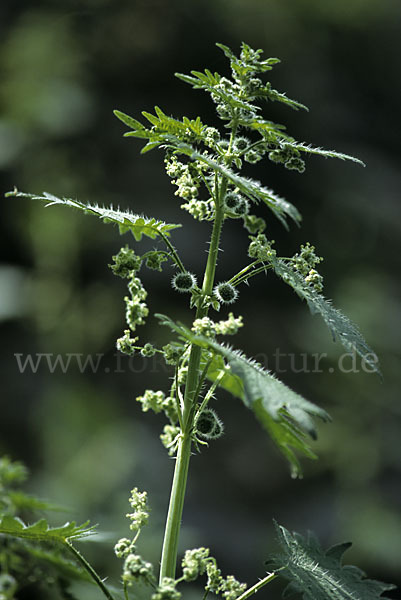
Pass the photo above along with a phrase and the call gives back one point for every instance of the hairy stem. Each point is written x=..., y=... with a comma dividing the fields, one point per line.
x=89, y=570
x=255, y=588
x=177, y=495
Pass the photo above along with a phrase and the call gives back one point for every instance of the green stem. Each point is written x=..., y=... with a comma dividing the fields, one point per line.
x=89, y=569
x=243, y=278
x=243, y=271
x=210, y=393
x=255, y=588
x=173, y=522
x=173, y=251
x=177, y=495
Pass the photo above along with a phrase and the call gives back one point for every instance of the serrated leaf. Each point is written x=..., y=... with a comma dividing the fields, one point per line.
x=42, y=531
x=209, y=82
x=275, y=96
x=127, y=221
x=341, y=327
x=229, y=382
x=150, y=146
x=127, y=120
x=253, y=190
x=151, y=118
x=21, y=501
x=284, y=414
x=318, y=575
x=57, y=561
x=309, y=149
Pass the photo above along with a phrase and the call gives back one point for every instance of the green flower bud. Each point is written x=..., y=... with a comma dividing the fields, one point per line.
x=167, y=590
x=126, y=344
x=194, y=563
x=123, y=548
x=136, y=568
x=148, y=350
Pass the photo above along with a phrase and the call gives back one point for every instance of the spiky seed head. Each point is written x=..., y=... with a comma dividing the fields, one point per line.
x=226, y=293
x=208, y=425
x=183, y=282
x=232, y=200
x=242, y=208
x=241, y=143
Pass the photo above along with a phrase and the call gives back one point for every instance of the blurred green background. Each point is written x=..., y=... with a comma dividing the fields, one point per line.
x=64, y=66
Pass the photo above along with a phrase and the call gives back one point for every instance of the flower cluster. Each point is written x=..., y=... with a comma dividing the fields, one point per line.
x=167, y=590
x=140, y=515
x=202, y=210
x=172, y=353
x=197, y=562
x=304, y=263
x=155, y=259
x=230, y=326
x=185, y=178
x=136, y=308
x=148, y=350
x=289, y=157
x=126, y=344
x=231, y=588
x=212, y=136
x=204, y=326
x=158, y=402
x=207, y=327
x=254, y=224
x=169, y=438
x=125, y=262
x=227, y=96
x=124, y=547
x=136, y=568
x=194, y=563
x=260, y=248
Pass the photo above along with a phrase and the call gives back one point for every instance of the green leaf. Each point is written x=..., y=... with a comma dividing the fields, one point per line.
x=209, y=82
x=271, y=94
x=253, y=190
x=284, y=414
x=230, y=382
x=341, y=327
x=56, y=561
x=21, y=501
x=319, y=575
x=41, y=530
x=127, y=120
x=127, y=221
x=309, y=149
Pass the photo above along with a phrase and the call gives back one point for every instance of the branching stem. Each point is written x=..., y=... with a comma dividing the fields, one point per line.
x=173, y=252
x=177, y=495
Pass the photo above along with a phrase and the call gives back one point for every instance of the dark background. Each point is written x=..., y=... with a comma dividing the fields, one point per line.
x=63, y=68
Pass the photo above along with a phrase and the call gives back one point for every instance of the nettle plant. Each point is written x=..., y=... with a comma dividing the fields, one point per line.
x=205, y=165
